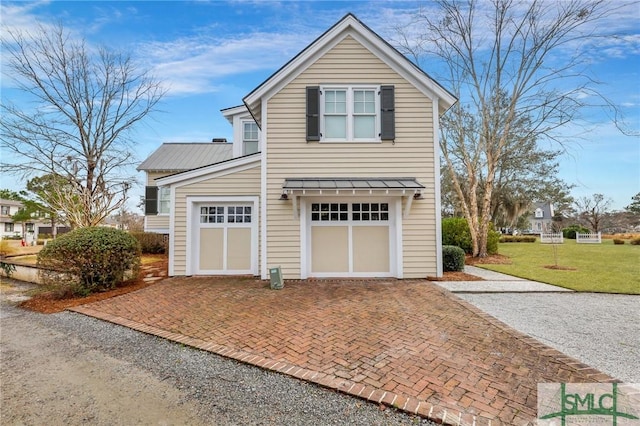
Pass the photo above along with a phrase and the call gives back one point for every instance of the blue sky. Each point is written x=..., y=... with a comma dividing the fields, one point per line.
x=212, y=53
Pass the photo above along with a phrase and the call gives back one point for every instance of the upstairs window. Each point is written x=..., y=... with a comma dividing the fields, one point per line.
x=350, y=114
x=164, y=200
x=538, y=213
x=249, y=137
x=5, y=211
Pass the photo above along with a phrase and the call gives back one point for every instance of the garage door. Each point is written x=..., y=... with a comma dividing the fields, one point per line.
x=350, y=239
x=225, y=236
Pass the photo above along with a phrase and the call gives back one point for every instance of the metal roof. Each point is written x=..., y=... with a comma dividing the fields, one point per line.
x=186, y=156
x=351, y=183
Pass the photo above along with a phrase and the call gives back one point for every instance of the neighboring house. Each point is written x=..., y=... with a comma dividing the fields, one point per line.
x=541, y=219
x=333, y=171
x=11, y=229
x=7, y=227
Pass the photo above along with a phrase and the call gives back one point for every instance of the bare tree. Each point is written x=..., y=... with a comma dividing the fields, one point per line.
x=593, y=210
x=505, y=63
x=85, y=104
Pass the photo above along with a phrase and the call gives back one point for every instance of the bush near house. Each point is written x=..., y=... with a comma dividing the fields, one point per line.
x=617, y=241
x=635, y=242
x=150, y=242
x=455, y=232
x=570, y=231
x=88, y=260
x=452, y=258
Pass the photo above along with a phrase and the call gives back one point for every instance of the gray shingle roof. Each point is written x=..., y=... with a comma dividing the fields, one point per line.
x=352, y=183
x=186, y=156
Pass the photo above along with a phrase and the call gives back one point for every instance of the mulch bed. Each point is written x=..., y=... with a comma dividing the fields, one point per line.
x=47, y=303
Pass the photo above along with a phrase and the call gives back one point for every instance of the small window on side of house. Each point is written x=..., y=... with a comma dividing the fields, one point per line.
x=5, y=211
x=8, y=227
x=164, y=200
x=538, y=213
x=250, y=138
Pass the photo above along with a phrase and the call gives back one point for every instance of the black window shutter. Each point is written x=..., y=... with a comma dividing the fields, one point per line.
x=387, y=113
x=151, y=200
x=313, y=113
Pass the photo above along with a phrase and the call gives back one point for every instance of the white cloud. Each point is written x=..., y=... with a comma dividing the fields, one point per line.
x=197, y=64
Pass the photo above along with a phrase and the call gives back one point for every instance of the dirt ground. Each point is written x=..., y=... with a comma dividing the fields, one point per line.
x=49, y=375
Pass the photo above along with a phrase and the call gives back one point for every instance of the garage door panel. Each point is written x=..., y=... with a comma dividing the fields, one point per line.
x=330, y=249
x=238, y=249
x=370, y=248
x=211, y=248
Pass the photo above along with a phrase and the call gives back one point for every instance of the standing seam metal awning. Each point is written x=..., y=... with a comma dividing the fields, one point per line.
x=302, y=184
x=343, y=186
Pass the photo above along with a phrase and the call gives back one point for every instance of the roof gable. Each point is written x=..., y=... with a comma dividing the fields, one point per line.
x=348, y=26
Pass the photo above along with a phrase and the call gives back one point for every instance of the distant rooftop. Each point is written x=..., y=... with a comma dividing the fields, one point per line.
x=186, y=156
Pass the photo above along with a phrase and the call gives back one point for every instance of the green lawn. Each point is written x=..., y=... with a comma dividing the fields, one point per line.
x=605, y=267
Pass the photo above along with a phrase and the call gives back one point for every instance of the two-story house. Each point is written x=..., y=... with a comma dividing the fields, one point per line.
x=541, y=218
x=333, y=171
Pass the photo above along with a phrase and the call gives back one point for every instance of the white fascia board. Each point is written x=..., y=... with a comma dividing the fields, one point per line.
x=201, y=173
x=232, y=113
x=351, y=26
x=437, y=191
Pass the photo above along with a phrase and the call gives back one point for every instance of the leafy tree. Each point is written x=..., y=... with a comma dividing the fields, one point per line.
x=48, y=190
x=501, y=62
x=634, y=207
x=7, y=194
x=593, y=210
x=87, y=103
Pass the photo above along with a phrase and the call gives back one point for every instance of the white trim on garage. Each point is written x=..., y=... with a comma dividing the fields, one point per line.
x=395, y=235
x=193, y=231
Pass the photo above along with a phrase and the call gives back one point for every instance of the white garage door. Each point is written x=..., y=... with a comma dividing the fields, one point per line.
x=225, y=235
x=350, y=239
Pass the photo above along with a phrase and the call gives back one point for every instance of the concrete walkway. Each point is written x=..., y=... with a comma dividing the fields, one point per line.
x=495, y=282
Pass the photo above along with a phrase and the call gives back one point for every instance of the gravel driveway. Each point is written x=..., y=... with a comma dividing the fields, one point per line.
x=71, y=369
x=600, y=330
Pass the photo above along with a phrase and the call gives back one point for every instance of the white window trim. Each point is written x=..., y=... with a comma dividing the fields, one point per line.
x=168, y=200
x=256, y=140
x=350, y=114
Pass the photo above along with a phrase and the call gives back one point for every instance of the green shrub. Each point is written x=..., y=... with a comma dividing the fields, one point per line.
x=635, y=242
x=518, y=239
x=150, y=242
x=617, y=241
x=87, y=260
x=452, y=258
x=455, y=232
x=571, y=231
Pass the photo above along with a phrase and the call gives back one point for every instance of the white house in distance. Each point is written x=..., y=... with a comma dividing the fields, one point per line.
x=541, y=219
x=333, y=171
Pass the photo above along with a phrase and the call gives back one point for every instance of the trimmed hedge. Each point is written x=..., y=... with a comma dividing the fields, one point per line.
x=150, y=242
x=455, y=232
x=635, y=242
x=517, y=239
x=617, y=241
x=570, y=231
x=452, y=258
x=88, y=260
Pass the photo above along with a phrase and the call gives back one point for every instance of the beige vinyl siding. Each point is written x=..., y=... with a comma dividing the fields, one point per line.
x=156, y=221
x=246, y=182
x=289, y=155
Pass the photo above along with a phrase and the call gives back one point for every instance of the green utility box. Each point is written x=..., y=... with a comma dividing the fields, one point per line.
x=276, y=278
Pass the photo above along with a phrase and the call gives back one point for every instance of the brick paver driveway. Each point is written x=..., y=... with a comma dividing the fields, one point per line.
x=405, y=343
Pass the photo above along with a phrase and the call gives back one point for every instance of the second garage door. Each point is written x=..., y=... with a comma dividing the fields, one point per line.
x=350, y=239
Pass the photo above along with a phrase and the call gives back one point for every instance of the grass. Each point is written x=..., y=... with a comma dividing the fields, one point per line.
x=603, y=268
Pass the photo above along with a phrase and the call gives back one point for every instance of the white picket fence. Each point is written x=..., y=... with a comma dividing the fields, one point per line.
x=591, y=238
x=551, y=237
